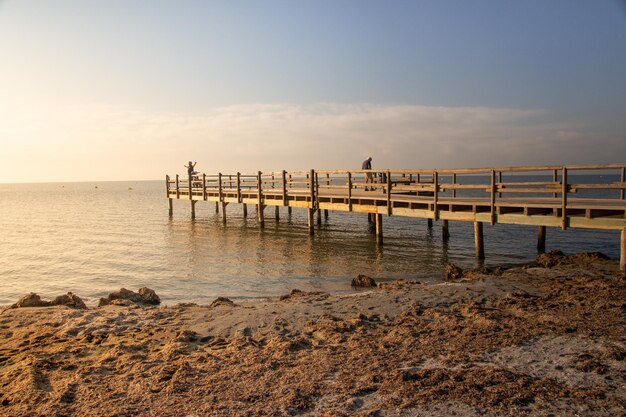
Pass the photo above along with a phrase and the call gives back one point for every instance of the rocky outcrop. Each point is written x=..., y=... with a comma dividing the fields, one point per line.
x=452, y=272
x=222, y=301
x=556, y=258
x=144, y=296
x=69, y=300
x=33, y=300
x=363, y=281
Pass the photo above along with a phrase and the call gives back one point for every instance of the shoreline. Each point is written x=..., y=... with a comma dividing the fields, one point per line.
x=524, y=340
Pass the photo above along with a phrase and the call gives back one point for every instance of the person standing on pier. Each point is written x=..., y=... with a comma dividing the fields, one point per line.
x=191, y=168
x=191, y=171
x=367, y=164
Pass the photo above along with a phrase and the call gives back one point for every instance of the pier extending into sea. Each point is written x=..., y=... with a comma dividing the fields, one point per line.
x=579, y=196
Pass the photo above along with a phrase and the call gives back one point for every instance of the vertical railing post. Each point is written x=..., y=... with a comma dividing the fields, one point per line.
x=177, y=187
x=317, y=199
x=436, y=195
x=239, y=187
x=493, y=197
x=204, y=187
x=219, y=185
x=622, y=179
x=284, y=178
x=499, y=182
x=349, y=191
x=554, y=178
x=388, y=193
x=564, y=190
x=454, y=188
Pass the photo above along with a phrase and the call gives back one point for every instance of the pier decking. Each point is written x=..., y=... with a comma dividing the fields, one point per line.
x=581, y=196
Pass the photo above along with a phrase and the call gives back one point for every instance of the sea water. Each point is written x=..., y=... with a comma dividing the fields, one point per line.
x=94, y=238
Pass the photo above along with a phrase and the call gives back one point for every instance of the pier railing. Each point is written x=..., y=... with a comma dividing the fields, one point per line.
x=578, y=196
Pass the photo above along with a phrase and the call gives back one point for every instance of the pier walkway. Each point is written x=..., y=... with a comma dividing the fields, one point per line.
x=581, y=196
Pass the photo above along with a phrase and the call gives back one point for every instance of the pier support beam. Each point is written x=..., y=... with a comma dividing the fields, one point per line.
x=245, y=211
x=224, y=211
x=445, y=233
x=277, y=213
x=261, y=217
x=325, y=214
x=541, y=239
x=622, y=253
x=217, y=207
x=193, y=208
x=171, y=207
x=289, y=210
x=369, y=218
x=430, y=224
x=478, y=240
x=310, y=219
x=319, y=217
x=379, y=228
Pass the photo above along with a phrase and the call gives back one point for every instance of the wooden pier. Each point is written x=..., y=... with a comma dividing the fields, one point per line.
x=581, y=196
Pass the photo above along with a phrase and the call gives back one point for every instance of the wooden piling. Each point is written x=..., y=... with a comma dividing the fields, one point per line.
x=478, y=240
x=445, y=233
x=224, y=211
x=259, y=207
x=277, y=213
x=430, y=224
x=289, y=210
x=541, y=239
x=311, y=208
x=245, y=211
x=217, y=207
x=622, y=256
x=319, y=217
x=193, y=209
x=325, y=214
x=379, y=228
x=170, y=203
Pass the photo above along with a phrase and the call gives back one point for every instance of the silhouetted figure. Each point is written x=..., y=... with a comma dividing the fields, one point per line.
x=367, y=164
x=191, y=172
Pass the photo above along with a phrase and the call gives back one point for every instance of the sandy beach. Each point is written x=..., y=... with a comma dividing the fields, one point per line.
x=539, y=339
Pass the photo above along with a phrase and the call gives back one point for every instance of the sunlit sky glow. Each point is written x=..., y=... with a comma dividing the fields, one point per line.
x=124, y=90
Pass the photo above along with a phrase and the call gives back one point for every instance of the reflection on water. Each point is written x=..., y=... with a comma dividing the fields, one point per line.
x=75, y=237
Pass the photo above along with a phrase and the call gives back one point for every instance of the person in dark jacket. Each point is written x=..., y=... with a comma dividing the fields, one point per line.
x=367, y=164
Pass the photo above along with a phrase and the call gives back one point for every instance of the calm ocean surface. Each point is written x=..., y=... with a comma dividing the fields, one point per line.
x=76, y=237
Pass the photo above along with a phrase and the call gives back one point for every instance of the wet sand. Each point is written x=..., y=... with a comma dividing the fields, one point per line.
x=529, y=340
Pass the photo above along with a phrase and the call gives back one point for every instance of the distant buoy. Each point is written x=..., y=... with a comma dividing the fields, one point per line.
x=96, y=186
x=130, y=188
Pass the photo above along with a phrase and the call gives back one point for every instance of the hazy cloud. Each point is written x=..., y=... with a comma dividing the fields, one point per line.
x=106, y=142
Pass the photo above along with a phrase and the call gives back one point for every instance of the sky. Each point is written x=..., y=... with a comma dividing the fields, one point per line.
x=128, y=90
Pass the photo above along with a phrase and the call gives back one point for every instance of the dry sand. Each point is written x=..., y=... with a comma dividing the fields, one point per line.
x=526, y=341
